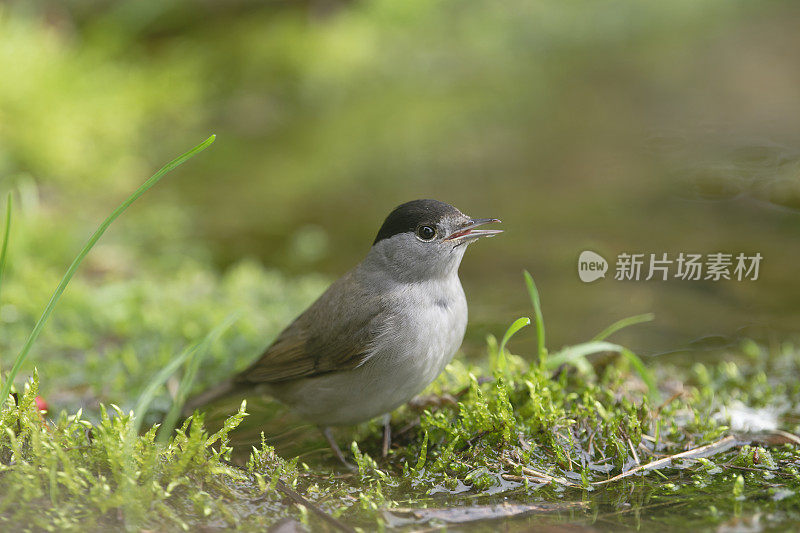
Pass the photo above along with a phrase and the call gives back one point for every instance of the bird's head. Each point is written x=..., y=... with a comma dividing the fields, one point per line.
x=424, y=239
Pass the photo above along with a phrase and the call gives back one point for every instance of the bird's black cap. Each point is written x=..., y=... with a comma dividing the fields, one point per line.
x=406, y=217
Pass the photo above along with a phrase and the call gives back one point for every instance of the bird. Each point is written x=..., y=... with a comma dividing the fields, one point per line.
x=379, y=335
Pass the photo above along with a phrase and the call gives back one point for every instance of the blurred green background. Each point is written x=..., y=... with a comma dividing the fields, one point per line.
x=615, y=126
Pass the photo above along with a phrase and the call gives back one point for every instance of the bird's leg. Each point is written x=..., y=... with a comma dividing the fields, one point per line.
x=387, y=434
x=326, y=431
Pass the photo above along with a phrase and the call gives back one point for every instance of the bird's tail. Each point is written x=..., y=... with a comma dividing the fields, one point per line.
x=223, y=390
x=290, y=435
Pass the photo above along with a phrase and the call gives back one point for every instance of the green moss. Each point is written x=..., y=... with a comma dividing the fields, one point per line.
x=71, y=474
x=517, y=431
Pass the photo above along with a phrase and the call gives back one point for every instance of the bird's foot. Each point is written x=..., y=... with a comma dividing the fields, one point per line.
x=387, y=435
x=326, y=431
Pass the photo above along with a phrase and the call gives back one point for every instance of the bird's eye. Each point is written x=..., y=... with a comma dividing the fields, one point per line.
x=426, y=233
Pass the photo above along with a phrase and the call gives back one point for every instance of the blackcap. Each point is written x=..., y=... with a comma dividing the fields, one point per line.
x=379, y=334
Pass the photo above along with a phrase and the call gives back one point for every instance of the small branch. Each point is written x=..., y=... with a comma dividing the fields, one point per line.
x=697, y=453
x=471, y=442
x=633, y=452
x=297, y=498
x=788, y=436
x=540, y=477
x=668, y=401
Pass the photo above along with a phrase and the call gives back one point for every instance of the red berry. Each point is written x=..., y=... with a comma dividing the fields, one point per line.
x=41, y=405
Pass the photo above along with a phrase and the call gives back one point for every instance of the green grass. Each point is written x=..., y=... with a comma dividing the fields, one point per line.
x=73, y=267
x=4, y=246
x=533, y=292
x=197, y=354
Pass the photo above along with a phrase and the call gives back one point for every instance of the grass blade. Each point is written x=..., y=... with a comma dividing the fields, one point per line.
x=187, y=381
x=512, y=329
x=571, y=354
x=537, y=314
x=624, y=323
x=149, y=392
x=644, y=373
x=4, y=249
x=576, y=355
x=500, y=363
x=37, y=329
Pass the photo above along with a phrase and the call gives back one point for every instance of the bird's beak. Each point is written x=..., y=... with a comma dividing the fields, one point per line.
x=468, y=232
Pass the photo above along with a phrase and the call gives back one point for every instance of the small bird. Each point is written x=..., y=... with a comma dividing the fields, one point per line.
x=379, y=334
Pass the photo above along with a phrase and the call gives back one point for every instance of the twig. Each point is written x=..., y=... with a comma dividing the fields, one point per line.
x=408, y=427
x=299, y=499
x=591, y=443
x=697, y=453
x=789, y=436
x=471, y=442
x=633, y=452
x=521, y=479
x=668, y=401
x=645, y=449
x=540, y=477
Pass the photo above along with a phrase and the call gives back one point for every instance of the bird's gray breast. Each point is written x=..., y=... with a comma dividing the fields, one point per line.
x=422, y=325
x=425, y=329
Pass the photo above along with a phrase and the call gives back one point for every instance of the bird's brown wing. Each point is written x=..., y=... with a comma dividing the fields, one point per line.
x=334, y=334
